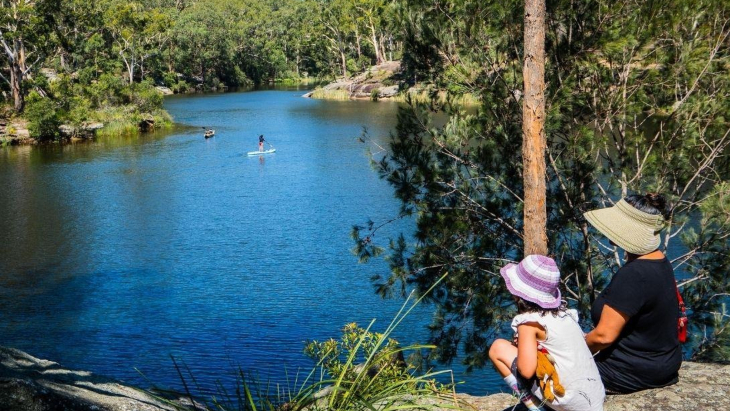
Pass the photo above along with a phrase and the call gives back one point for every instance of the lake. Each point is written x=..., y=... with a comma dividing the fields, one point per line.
x=119, y=253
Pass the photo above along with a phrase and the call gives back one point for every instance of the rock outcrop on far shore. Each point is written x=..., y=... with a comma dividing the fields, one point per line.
x=31, y=384
x=376, y=83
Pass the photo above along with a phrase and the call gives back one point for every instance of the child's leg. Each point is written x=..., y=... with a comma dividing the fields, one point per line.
x=503, y=355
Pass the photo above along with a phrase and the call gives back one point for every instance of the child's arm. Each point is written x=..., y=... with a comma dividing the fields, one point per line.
x=527, y=336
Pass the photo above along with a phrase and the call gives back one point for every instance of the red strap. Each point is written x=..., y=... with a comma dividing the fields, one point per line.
x=682, y=321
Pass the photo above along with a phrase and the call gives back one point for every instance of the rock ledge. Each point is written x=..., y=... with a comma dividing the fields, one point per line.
x=701, y=387
x=31, y=384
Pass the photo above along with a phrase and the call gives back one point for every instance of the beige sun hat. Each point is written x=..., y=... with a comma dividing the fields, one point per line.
x=633, y=230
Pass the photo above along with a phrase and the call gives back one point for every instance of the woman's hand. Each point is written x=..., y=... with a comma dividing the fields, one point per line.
x=608, y=329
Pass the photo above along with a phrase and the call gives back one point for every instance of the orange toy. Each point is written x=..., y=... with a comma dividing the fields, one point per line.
x=547, y=376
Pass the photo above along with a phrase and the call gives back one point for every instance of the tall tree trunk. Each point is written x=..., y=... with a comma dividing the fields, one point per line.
x=298, y=62
x=533, y=129
x=357, y=42
x=376, y=44
x=344, y=63
x=202, y=71
x=16, y=81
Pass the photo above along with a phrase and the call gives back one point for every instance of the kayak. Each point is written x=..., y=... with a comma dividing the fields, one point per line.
x=256, y=153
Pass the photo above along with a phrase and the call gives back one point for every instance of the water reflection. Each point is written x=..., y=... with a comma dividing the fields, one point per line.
x=120, y=252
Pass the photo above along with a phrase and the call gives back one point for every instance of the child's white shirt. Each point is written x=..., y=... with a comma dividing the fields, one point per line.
x=573, y=361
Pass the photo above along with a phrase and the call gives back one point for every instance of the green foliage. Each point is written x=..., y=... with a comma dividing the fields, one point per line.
x=385, y=358
x=713, y=341
x=368, y=370
x=706, y=294
x=637, y=98
x=108, y=53
x=43, y=121
x=145, y=97
x=374, y=94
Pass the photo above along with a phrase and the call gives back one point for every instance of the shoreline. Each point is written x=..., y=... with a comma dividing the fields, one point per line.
x=27, y=382
x=20, y=135
x=384, y=82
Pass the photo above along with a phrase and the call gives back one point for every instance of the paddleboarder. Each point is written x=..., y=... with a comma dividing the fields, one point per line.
x=261, y=142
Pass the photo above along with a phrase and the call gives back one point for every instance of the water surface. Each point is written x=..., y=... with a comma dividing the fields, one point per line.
x=119, y=253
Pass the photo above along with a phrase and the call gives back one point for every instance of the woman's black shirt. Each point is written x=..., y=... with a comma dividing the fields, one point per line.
x=647, y=353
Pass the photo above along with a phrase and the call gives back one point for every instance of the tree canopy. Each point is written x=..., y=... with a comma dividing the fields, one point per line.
x=190, y=43
x=637, y=101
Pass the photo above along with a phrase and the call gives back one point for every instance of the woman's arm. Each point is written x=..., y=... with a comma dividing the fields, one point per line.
x=608, y=329
x=527, y=349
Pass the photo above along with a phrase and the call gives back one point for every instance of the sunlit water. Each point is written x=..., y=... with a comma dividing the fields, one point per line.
x=119, y=253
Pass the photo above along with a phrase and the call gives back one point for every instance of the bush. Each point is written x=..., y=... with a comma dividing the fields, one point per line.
x=169, y=79
x=108, y=90
x=145, y=97
x=374, y=94
x=42, y=115
x=353, y=65
x=87, y=75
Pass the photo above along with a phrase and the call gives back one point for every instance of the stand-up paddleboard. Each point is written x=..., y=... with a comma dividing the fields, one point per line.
x=256, y=153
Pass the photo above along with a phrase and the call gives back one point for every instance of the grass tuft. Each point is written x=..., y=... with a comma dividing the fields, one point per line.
x=339, y=95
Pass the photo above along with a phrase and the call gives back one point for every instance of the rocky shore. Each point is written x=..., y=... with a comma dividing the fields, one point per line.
x=32, y=384
x=28, y=383
x=376, y=83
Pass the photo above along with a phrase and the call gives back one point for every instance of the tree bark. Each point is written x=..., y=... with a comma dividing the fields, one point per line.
x=357, y=43
x=534, y=141
x=16, y=78
x=376, y=44
x=343, y=57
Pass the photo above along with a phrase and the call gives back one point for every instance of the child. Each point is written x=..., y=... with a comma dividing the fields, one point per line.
x=543, y=320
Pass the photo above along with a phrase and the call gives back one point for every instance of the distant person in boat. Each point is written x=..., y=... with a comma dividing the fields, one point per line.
x=261, y=142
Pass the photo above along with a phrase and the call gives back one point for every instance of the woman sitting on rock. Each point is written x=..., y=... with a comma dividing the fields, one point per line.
x=636, y=315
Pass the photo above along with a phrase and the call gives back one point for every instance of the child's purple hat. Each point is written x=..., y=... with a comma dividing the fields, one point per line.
x=535, y=279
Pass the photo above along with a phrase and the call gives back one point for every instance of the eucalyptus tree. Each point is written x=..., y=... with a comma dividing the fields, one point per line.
x=337, y=22
x=377, y=17
x=637, y=99
x=137, y=33
x=201, y=39
x=24, y=40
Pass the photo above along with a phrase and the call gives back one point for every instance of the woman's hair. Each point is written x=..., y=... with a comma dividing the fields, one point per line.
x=650, y=203
x=524, y=306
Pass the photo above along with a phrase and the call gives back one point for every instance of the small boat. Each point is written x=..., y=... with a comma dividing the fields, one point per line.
x=256, y=153
x=209, y=133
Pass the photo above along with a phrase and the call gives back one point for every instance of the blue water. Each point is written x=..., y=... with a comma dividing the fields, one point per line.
x=119, y=253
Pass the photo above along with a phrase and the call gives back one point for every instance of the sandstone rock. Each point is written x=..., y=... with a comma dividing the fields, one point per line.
x=700, y=387
x=164, y=90
x=31, y=384
x=374, y=83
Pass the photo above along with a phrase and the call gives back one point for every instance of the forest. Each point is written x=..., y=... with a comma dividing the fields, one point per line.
x=75, y=62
